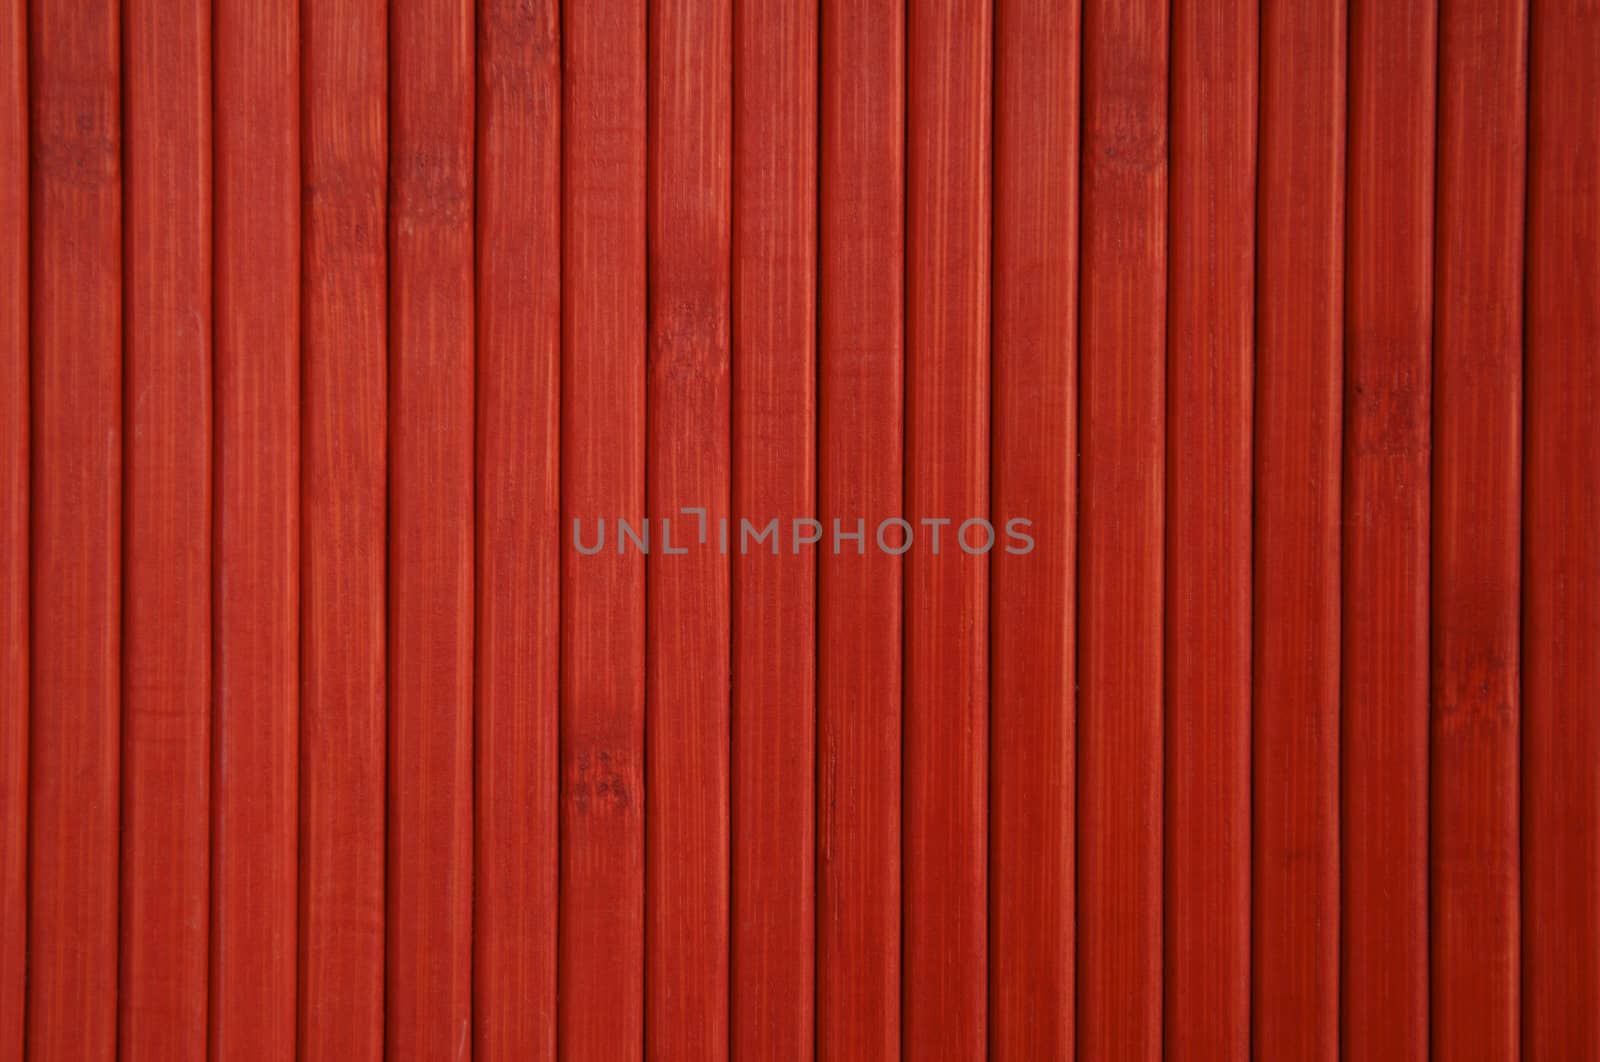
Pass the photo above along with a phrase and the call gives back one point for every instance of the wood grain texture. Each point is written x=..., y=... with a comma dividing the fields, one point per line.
x=687, y=451
x=432, y=382
x=944, y=992
x=861, y=447
x=1299, y=356
x=774, y=620
x=255, y=769
x=1475, y=553
x=601, y=942
x=166, y=626
x=1032, y=604
x=75, y=540
x=343, y=737
x=14, y=567
x=1561, y=556
x=1210, y=351
x=1122, y=314
x=518, y=213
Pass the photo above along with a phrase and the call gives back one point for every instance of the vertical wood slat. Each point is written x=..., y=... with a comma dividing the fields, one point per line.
x=1295, y=714
x=75, y=564
x=1561, y=557
x=1388, y=304
x=687, y=451
x=601, y=943
x=1210, y=351
x=166, y=519
x=14, y=424
x=774, y=474
x=1122, y=311
x=948, y=108
x=518, y=515
x=860, y=425
x=1033, y=593
x=344, y=494
x=1475, y=551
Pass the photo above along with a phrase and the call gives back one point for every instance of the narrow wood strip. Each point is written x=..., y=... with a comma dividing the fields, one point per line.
x=518, y=215
x=948, y=107
x=601, y=945
x=1034, y=588
x=75, y=274
x=1122, y=308
x=1210, y=351
x=1295, y=656
x=1561, y=559
x=344, y=498
x=1476, y=519
x=859, y=467
x=687, y=467
x=166, y=626
x=1388, y=318
x=773, y=813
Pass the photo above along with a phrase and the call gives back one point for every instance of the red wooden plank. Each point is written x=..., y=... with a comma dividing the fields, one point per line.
x=601, y=945
x=1476, y=527
x=773, y=922
x=428, y=958
x=13, y=526
x=1123, y=309
x=1210, y=342
x=518, y=546
x=1561, y=599
x=1295, y=656
x=166, y=626
x=860, y=326
x=948, y=105
x=1389, y=260
x=344, y=498
x=75, y=566
x=256, y=566
x=687, y=596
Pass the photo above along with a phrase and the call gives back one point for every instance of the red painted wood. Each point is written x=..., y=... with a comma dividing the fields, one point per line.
x=1032, y=603
x=1299, y=354
x=75, y=564
x=1474, y=843
x=255, y=566
x=774, y=625
x=518, y=212
x=14, y=423
x=949, y=79
x=601, y=946
x=687, y=450
x=1561, y=554
x=1388, y=304
x=1207, y=608
x=1122, y=312
x=166, y=520
x=344, y=498
x=861, y=447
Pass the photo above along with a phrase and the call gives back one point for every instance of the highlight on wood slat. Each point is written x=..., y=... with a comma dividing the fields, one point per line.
x=1561, y=554
x=1476, y=558
x=344, y=498
x=166, y=624
x=601, y=934
x=1122, y=376
x=1032, y=604
x=75, y=563
x=1388, y=321
x=774, y=607
x=1299, y=354
x=518, y=215
x=861, y=448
